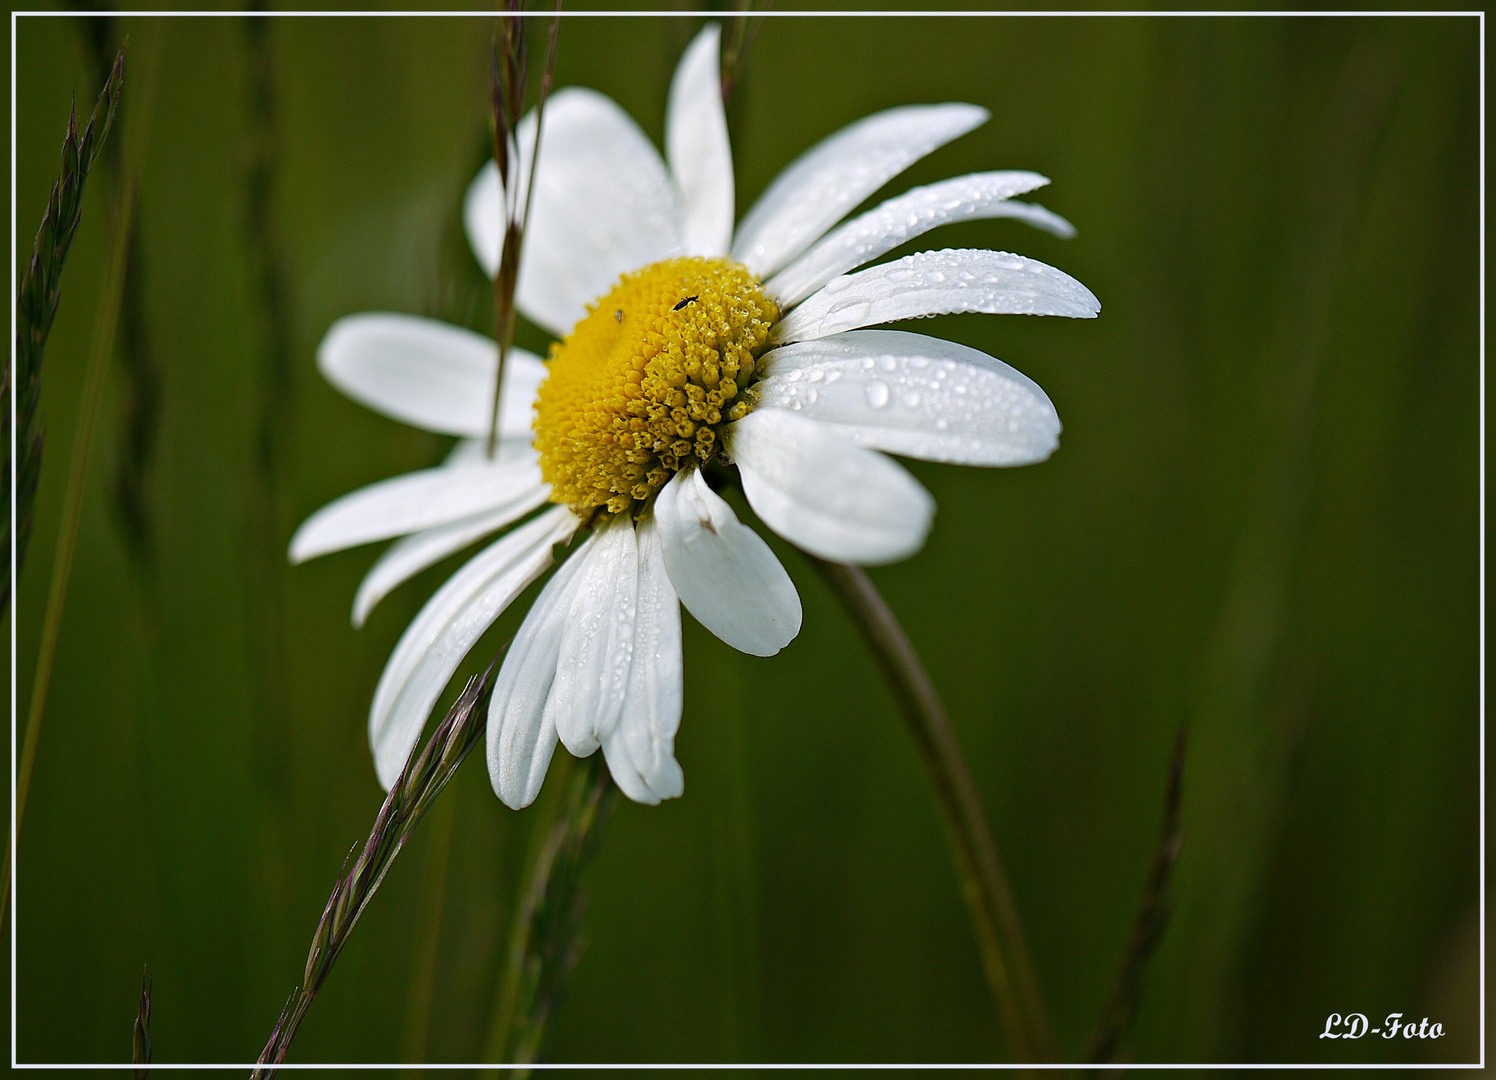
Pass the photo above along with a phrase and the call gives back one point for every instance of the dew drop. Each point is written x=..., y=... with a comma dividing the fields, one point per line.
x=877, y=394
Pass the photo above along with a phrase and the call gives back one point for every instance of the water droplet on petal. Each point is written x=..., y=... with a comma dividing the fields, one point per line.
x=877, y=394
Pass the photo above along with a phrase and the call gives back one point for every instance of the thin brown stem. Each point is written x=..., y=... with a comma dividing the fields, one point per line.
x=1149, y=924
x=984, y=883
x=507, y=82
x=142, y=1044
x=743, y=28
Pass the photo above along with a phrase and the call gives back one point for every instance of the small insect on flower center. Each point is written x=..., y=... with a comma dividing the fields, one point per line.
x=645, y=382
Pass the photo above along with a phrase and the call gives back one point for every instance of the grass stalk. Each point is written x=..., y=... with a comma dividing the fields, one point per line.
x=36, y=307
x=509, y=75
x=984, y=882
x=1148, y=926
x=94, y=380
x=424, y=777
x=142, y=1045
x=743, y=27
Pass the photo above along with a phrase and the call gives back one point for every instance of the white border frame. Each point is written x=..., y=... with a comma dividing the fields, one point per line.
x=1480, y=16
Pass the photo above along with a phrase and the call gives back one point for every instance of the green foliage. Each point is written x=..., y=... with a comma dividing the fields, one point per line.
x=1263, y=519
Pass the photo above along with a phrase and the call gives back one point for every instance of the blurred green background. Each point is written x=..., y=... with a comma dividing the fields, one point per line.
x=1262, y=523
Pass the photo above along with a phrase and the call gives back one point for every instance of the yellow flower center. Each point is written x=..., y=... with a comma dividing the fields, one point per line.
x=643, y=384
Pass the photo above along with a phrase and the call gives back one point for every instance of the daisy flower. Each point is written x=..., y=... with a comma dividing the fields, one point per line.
x=687, y=351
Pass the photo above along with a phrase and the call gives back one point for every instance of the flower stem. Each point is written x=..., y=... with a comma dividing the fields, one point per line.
x=984, y=884
x=546, y=941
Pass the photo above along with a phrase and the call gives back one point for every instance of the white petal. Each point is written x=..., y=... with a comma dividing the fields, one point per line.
x=1033, y=214
x=520, y=739
x=641, y=748
x=818, y=188
x=446, y=628
x=914, y=395
x=483, y=216
x=896, y=222
x=429, y=373
x=592, y=669
x=939, y=283
x=825, y=495
x=725, y=574
x=603, y=205
x=466, y=452
x=412, y=502
x=408, y=557
x=697, y=146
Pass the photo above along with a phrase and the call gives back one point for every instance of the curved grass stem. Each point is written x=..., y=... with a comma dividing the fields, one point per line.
x=94, y=379
x=984, y=883
x=426, y=774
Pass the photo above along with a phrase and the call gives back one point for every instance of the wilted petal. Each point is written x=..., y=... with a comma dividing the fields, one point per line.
x=447, y=627
x=698, y=149
x=429, y=374
x=914, y=395
x=938, y=283
x=724, y=572
x=825, y=495
x=818, y=188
